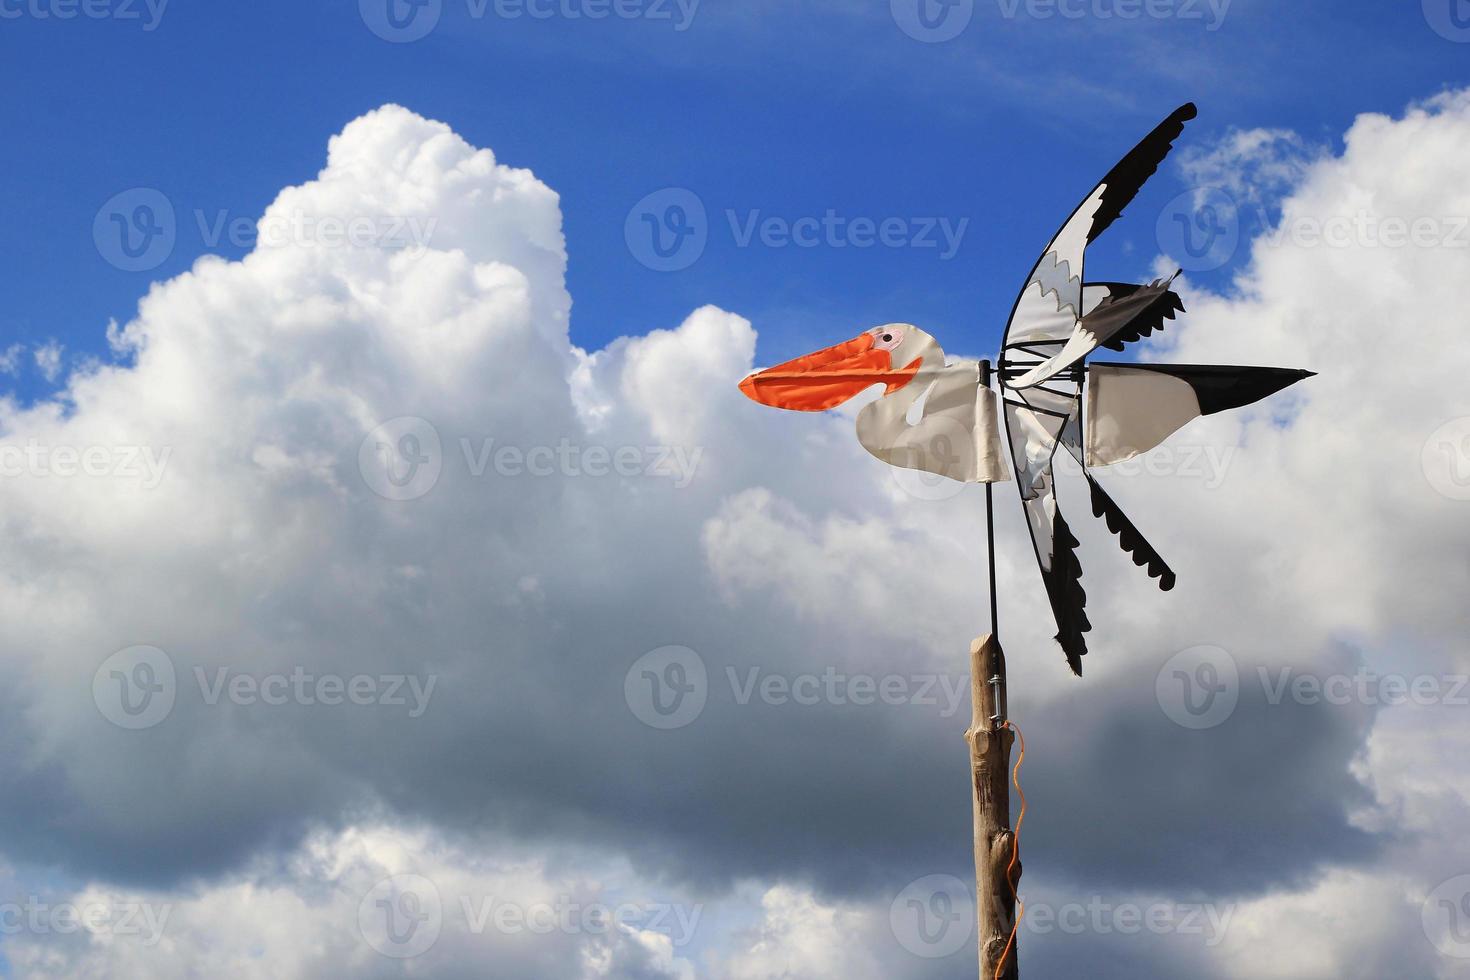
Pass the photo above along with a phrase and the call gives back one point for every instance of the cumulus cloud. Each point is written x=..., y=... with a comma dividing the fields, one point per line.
x=384, y=468
x=365, y=902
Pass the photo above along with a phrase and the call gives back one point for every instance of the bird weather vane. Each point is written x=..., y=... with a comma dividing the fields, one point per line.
x=960, y=419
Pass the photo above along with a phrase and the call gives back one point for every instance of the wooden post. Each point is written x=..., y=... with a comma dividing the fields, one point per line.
x=990, y=766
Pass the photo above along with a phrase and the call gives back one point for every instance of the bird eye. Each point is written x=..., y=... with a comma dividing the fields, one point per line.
x=887, y=338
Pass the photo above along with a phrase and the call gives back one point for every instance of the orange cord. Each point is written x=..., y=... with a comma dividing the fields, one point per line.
x=1015, y=853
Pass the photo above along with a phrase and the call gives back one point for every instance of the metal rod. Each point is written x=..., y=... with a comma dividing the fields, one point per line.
x=990, y=557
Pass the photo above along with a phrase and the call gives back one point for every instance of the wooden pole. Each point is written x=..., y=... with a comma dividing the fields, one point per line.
x=990, y=766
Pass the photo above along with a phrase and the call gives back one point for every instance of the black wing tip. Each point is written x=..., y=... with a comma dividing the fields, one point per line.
x=1130, y=538
x=1075, y=650
x=1069, y=599
x=1186, y=112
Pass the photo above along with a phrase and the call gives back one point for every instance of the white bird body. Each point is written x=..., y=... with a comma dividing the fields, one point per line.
x=956, y=433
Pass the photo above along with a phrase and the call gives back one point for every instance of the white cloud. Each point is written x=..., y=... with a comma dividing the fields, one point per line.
x=801, y=938
x=318, y=914
x=48, y=359
x=10, y=359
x=264, y=549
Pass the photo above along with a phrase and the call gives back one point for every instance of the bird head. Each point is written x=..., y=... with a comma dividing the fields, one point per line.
x=890, y=355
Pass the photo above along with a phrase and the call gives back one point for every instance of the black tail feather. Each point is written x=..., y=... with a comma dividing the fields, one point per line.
x=1130, y=537
x=1068, y=598
x=1164, y=305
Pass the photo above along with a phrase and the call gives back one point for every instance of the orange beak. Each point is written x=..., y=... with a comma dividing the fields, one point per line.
x=827, y=378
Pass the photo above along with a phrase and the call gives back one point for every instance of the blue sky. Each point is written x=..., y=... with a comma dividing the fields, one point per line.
x=761, y=109
x=271, y=536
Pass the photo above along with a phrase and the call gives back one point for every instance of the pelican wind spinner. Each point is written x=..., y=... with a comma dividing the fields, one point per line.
x=1101, y=413
x=942, y=416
